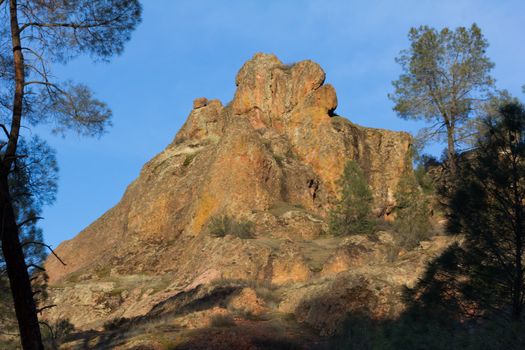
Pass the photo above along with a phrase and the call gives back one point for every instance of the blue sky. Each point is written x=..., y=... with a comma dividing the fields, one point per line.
x=190, y=48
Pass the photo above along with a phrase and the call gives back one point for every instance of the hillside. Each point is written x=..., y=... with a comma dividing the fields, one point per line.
x=267, y=163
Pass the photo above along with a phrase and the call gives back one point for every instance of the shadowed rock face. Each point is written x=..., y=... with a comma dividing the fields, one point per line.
x=271, y=156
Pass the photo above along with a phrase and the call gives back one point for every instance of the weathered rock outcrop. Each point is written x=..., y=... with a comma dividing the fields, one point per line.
x=272, y=156
x=278, y=144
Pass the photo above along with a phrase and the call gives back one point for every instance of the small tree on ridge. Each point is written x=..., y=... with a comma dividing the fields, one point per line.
x=352, y=213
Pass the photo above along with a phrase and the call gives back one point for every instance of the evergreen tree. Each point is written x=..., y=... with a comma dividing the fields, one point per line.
x=35, y=34
x=412, y=213
x=33, y=184
x=352, y=213
x=445, y=78
x=488, y=206
x=484, y=276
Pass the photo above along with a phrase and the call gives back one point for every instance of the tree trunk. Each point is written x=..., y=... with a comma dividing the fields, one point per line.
x=17, y=272
x=451, y=148
x=517, y=297
x=20, y=283
x=517, y=288
x=18, y=61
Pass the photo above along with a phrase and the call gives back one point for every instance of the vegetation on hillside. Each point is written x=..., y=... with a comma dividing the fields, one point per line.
x=471, y=296
x=413, y=212
x=223, y=225
x=352, y=214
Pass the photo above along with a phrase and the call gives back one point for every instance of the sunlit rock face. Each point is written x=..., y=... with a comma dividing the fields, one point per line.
x=271, y=156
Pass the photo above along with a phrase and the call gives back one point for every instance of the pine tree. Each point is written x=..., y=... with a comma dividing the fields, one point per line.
x=446, y=76
x=34, y=35
x=488, y=207
x=412, y=213
x=352, y=213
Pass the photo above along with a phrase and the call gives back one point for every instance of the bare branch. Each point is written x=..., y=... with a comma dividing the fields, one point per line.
x=36, y=267
x=25, y=222
x=47, y=83
x=45, y=308
x=48, y=247
x=5, y=130
x=33, y=278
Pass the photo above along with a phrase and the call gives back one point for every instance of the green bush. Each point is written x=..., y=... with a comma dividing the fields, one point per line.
x=219, y=226
x=413, y=212
x=352, y=214
x=424, y=179
x=221, y=320
x=189, y=159
x=224, y=225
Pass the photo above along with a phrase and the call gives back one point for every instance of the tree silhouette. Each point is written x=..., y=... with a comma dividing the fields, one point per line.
x=35, y=34
x=487, y=205
x=483, y=277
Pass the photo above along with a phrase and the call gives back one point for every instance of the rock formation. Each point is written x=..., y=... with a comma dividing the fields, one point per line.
x=272, y=156
x=278, y=143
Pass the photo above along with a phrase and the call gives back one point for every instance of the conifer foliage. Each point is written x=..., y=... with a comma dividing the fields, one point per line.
x=488, y=206
x=446, y=77
x=352, y=213
x=412, y=213
x=35, y=35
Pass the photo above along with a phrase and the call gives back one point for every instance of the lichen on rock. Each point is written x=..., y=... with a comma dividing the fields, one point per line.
x=272, y=157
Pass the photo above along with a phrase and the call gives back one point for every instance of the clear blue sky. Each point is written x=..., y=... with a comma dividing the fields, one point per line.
x=186, y=49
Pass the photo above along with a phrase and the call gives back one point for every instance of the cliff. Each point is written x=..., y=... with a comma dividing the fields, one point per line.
x=272, y=157
x=277, y=144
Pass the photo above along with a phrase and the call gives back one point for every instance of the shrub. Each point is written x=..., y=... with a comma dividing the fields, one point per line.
x=223, y=225
x=219, y=226
x=115, y=323
x=54, y=334
x=189, y=158
x=243, y=229
x=353, y=212
x=423, y=176
x=222, y=320
x=392, y=252
x=412, y=214
x=271, y=297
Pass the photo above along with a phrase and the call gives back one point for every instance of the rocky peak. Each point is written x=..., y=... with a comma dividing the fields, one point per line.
x=268, y=90
x=272, y=156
